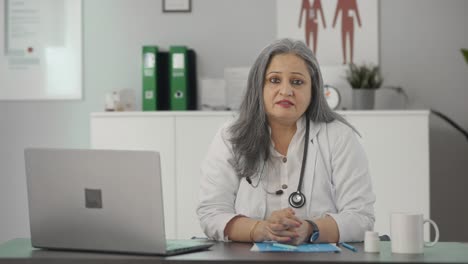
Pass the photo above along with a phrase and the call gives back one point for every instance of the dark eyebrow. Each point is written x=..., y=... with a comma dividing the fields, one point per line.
x=273, y=72
x=298, y=73
x=280, y=72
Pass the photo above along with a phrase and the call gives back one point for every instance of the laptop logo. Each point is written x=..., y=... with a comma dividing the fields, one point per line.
x=93, y=198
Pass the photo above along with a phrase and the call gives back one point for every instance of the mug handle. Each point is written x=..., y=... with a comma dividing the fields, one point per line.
x=430, y=244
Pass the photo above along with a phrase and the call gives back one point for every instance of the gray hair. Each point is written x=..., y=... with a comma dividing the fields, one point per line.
x=250, y=137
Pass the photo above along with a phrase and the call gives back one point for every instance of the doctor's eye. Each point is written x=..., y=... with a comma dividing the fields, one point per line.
x=297, y=82
x=274, y=80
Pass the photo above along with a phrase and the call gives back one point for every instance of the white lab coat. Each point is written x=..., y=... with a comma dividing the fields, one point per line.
x=336, y=183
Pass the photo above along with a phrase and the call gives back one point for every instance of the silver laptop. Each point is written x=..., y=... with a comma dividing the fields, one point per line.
x=99, y=200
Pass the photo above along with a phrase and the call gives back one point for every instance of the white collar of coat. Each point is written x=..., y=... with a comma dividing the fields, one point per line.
x=314, y=127
x=301, y=123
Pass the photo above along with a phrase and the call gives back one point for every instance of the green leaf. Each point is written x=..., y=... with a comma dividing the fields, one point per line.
x=364, y=76
x=465, y=54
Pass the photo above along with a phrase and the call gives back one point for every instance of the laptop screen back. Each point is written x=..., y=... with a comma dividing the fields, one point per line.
x=100, y=200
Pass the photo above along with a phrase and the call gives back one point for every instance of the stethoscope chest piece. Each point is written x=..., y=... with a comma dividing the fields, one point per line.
x=297, y=199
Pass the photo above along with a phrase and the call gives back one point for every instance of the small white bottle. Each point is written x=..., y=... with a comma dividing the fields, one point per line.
x=109, y=103
x=372, y=242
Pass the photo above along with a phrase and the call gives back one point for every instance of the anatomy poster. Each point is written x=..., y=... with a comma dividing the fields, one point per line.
x=337, y=31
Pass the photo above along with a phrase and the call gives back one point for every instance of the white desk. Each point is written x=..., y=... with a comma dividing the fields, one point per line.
x=396, y=142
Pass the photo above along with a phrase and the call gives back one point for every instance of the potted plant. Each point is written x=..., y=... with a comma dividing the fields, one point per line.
x=364, y=79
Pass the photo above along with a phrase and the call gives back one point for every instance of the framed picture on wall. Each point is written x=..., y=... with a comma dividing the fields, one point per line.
x=177, y=6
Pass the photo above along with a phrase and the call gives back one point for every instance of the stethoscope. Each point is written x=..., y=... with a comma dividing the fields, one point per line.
x=297, y=199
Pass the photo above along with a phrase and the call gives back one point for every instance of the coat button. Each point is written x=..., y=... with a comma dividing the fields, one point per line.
x=284, y=186
x=285, y=159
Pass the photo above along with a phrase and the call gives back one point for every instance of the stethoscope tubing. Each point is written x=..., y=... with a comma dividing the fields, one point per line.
x=296, y=199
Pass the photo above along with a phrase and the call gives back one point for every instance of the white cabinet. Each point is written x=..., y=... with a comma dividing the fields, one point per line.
x=193, y=137
x=397, y=147
x=396, y=142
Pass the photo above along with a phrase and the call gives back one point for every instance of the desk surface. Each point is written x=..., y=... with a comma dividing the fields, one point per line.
x=20, y=251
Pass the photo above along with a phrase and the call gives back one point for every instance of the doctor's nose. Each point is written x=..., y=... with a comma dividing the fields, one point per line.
x=286, y=91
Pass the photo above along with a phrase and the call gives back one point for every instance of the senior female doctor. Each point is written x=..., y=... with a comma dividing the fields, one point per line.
x=287, y=168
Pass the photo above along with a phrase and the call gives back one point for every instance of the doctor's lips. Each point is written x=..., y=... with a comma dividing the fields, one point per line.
x=284, y=103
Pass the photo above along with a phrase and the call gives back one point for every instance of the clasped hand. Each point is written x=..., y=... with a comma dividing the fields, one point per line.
x=285, y=227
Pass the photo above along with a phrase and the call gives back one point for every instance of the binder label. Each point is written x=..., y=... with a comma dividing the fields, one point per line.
x=149, y=95
x=149, y=60
x=178, y=61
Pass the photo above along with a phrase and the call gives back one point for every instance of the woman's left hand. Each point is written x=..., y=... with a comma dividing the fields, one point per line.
x=303, y=232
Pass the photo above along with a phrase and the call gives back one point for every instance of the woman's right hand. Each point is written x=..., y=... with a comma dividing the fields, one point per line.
x=280, y=226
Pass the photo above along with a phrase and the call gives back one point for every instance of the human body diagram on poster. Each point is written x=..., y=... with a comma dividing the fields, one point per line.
x=348, y=10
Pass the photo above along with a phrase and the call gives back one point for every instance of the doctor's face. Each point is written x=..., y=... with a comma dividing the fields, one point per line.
x=287, y=91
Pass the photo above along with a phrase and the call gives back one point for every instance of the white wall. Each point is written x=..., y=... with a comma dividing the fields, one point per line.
x=420, y=42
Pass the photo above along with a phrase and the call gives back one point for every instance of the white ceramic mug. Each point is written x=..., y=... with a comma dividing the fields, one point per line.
x=407, y=233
